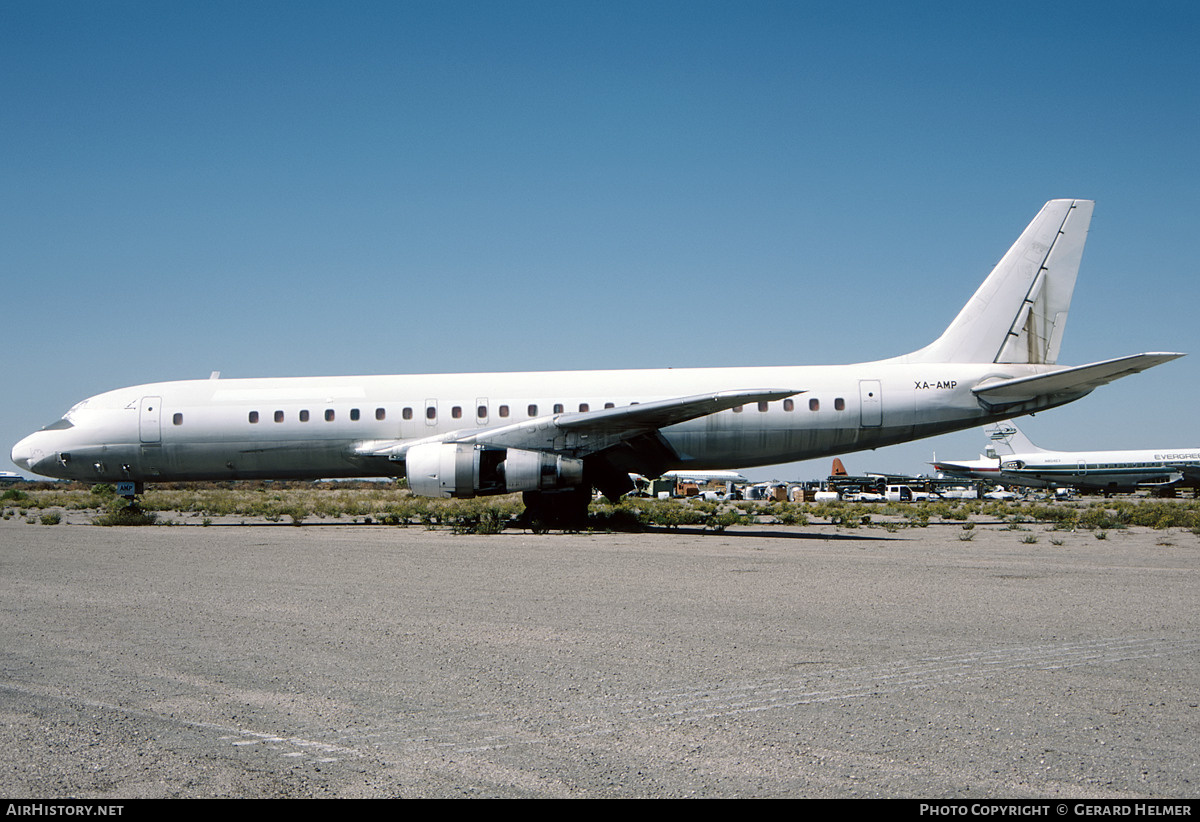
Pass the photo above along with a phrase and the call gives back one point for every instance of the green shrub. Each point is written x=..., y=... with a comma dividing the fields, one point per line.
x=792, y=515
x=478, y=517
x=1097, y=516
x=1161, y=514
x=607, y=517
x=720, y=520
x=122, y=513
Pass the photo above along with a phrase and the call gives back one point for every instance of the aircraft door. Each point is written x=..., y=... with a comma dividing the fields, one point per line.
x=870, y=399
x=431, y=413
x=1080, y=468
x=148, y=416
x=481, y=411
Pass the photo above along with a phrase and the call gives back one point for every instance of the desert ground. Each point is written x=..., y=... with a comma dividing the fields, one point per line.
x=333, y=659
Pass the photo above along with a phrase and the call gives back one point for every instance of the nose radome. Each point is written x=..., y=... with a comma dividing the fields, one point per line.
x=25, y=454
x=20, y=455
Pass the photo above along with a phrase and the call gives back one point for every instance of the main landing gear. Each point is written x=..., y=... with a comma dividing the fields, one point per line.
x=565, y=510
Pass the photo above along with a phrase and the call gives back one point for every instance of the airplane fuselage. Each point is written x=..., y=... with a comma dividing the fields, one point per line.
x=1102, y=470
x=312, y=427
x=1085, y=470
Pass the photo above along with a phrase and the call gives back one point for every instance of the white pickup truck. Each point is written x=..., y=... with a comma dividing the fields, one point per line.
x=902, y=493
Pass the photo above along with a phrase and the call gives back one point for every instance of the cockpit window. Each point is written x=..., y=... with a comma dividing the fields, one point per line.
x=59, y=425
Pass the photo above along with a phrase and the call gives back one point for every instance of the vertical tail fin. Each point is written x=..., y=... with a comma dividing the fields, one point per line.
x=1006, y=439
x=1019, y=313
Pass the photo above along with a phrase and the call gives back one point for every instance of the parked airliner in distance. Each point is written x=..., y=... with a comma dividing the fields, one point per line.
x=557, y=435
x=1013, y=459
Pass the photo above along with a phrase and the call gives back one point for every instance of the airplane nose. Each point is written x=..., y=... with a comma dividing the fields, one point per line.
x=25, y=454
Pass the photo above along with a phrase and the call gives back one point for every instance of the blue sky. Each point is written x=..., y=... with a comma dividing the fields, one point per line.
x=278, y=189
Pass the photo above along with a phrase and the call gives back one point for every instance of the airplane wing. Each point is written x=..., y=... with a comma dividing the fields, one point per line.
x=582, y=434
x=1074, y=382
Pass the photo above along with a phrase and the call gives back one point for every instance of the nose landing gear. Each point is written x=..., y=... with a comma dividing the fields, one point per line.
x=130, y=490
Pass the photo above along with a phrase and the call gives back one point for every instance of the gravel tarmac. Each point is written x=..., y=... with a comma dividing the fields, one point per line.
x=273, y=660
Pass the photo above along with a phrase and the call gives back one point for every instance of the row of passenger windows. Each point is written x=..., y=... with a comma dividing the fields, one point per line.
x=814, y=404
x=503, y=411
x=330, y=415
x=1114, y=465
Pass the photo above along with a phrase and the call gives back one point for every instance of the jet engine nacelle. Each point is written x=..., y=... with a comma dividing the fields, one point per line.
x=451, y=469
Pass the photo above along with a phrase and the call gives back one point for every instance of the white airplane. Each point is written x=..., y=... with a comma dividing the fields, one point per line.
x=1013, y=459
x=557, y=435
x=706, y=476
x=1003, y=438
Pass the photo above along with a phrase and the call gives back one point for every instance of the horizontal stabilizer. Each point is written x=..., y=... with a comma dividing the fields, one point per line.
x=1075, y=381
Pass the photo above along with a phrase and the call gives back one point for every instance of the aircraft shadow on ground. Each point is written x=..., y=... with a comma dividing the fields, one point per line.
x=772, y=534
x=683, y=532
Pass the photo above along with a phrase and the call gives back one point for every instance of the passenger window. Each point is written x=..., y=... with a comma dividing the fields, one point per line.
x=278, y=416
x=814, y=404
x=354, y=415
x=177, y=419
x=380, y=414
x=253, y=416
x=532, y=410
x=839, y=404
x=789, y=405
x=737, y=409
x=406, y=414
x=456, y=412
x=558, y=408
x=583, y=407
x=328, y=415
x=481, y=411
x=431, y=412
x=304, y=415
x=609, y=405
x=504, y=410
x=762, y=406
